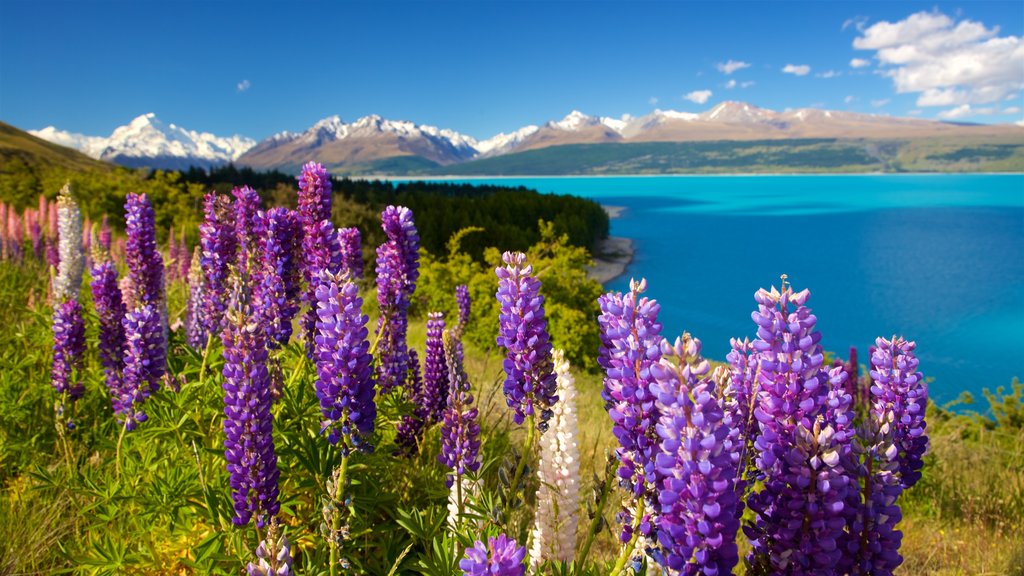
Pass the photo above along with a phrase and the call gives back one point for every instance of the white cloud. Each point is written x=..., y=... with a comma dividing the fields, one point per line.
x=849, y=99
x=797, y=69
x=1011, y=110
x=698, y=96
x=879, y=103
x=914, y=112
x=860, y=63
x=965, y=110
x=947, y=63
x=828, y=74
x=730, y=84
x=243, y=85
x=731, y=66
x=653, y=100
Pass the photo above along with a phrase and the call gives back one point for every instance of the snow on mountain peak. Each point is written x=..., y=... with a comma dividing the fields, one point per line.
x=573, y=121
x=502, y=142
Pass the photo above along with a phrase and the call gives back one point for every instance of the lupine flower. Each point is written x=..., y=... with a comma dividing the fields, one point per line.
x=803, y=442
x=435, y=370
x=186, y=262
x=274, y=555
x=246, y=221
x=740, y=395
x=900, y=397
x=351, y=252
x=321, y=253
x=128, y=293
x=554, y=532
x=106, y=296
x=219, y=242
x=248, y=423
x=105, y=235
x=145, y=265
x=276, y=296
x=344, y=382
x=68, y=349
x=397, y=272
x=501, y=556
x=143, y=335
x=697, y=521
x=72, y=262
x=463, y=301
x=630, y=345
x=314, y=206
x=410, y=428
x=460, y=433
x=530, y=385
x=195, y=332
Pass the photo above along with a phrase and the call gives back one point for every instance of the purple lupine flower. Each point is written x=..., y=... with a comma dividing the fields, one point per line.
x=68, y=349
x=740, y=395
x=219, y=242
x=501, y=556
x=696, y=465
x=273, y=554
x=435, y=370
x=106, y=296
x=145, y=265
x=410, y=428
x=246, y=220
x=195, y=323
x=351, y=246
x=630, y=345
x=314, y=206
x=248, y=422
x=322, y=253
x=460, y=432
x=344, y=382
x=899, y=398
x=462, y=299
x=530, y=385
x=276, y=296
x=143, y=334
x=397, y=272
x=803, y=442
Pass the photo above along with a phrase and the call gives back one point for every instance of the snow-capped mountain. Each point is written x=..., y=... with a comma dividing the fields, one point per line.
x=147, y=141
x=502, y=142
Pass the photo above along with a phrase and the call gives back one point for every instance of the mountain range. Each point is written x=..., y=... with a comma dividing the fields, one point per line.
x=375, y=145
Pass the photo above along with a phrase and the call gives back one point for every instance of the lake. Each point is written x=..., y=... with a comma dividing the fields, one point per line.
x=936, y=258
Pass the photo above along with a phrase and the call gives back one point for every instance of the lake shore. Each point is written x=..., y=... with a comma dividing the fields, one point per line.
x=613, y=254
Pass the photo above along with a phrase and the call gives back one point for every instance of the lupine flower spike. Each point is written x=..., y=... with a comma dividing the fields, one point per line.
x=501, y=556
x=276, y=285
x=274, y=557
x=397, y=272
x=219, y=242
x=460, y=433
x=68, y=322
x=351, y=252
x=106, y=296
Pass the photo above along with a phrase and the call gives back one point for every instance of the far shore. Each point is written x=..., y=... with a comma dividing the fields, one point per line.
x=611, y=257
x=715, y=175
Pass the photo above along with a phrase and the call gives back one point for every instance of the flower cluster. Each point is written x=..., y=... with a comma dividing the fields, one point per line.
x=219, y=244
x=410, y=428
x=68, y=349
x=248, y=423
x=899, y=399
x=145, y=264
x=276, y=286
x=435, y=370
x=314, y=206
x=351, y=246
x=696, y=467
x=460, y=432
x=71, y=266
x=110, y=310
x=274, y=555
x=144, y=346
x=344, y=382
x=530, y=386
x=195, y=333
x=501, y=556
x=630, y=346
x=463, y=301
x=397, y=272
x=246, y=220
x=554, y=532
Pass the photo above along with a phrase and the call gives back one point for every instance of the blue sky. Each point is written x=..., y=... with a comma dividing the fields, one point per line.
x=482, y=67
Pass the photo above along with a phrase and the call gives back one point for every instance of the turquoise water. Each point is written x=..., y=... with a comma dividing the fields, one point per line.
x=936, y=258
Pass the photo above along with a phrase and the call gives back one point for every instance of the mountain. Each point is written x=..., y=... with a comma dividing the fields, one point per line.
x=342, y=147
x=147, y=141
x=22, y=150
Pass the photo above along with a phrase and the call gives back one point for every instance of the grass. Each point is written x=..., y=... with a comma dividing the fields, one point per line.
x=167, y=510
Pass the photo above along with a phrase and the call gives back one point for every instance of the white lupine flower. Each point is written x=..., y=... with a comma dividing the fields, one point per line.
x=554, y=533
x=69, y=243
x=470, y=489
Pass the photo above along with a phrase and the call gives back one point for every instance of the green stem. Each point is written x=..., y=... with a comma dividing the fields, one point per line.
x=458, y=498
x=627, y=551
x=339, y=491
x=514, y=487
x=596, y=522
x=117, y=452
x=206, y=354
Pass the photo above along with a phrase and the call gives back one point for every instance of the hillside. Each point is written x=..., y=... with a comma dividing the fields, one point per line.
x=18, y=147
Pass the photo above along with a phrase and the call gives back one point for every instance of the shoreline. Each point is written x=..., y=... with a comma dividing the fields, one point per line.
x=611, y=258
x=715, y=175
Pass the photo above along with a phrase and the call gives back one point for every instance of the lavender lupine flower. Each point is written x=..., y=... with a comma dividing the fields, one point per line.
x=900, y=397
x=435, y=370
x=314, y=206
x=246, y=221
x=410, y=428
x=68, y=350
x=397, y=272
x=144, y=342
x=106, y=296
x=274, y=555
x=630, y=345
x=219, y=242
x=697, y=521
x=460, y=433
x=739, y=398
x=803, y=442
x=145, y=265
x=195, y=331
x=248, y=422
x=324, y=254
x=344, y=382
x=351, y=245
x=554, y=532
x=276, y=295
x=463, y=301
x=68, y=282
x=530, y=385
x=501, y=556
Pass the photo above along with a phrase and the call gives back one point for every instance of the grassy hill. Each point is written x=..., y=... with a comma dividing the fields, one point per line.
x=18, y=146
